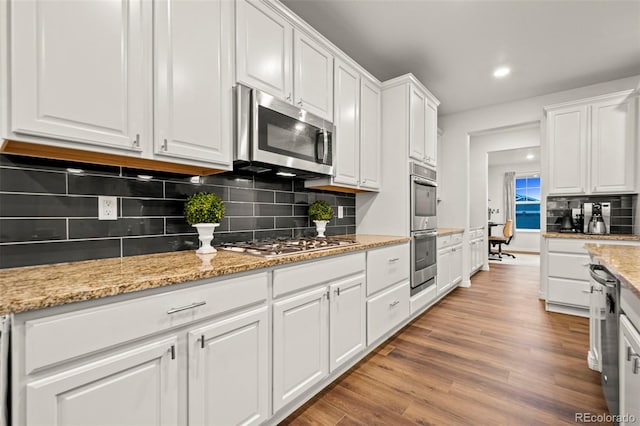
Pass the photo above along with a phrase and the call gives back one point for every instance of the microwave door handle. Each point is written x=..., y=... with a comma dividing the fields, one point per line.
x=325, y=147
x=319, y=155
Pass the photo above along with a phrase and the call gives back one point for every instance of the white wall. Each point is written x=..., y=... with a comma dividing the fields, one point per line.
x=453, y=152
x=523, y=240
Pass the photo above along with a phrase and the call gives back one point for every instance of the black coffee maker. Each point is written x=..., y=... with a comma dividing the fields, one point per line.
x=567, y=225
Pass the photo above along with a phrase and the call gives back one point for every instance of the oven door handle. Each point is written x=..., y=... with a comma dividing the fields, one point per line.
x=425, y=234
x=423, y=181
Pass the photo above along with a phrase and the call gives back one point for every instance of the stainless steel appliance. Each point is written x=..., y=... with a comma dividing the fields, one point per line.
x=275, y=136
x=423, y=228
x=423, y=198
x=609, y=335
x=424, y=255
x=276, y=248
x=597, y=218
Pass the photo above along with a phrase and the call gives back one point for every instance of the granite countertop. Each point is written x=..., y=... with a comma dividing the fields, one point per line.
x=448, y=231
x=36, y=287
x=579, y=236
x=621, y=261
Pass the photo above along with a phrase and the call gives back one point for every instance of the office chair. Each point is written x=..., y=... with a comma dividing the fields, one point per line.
x=507, y=231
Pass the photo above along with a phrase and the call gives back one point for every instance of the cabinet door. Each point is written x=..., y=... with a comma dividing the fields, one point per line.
x=347, y=121
x=313, y=76
x=263, y=48
x=417, y=123
x=228, y=371
x=193, y=80
x=370, y=147
x=443, y=280
x=300, y=345
x=629, y=364
x=346, y=320
x=567, y=146
x=431, y=138
x=138, y=386
x=456, y=264
x=78, y=72
x=613, y=146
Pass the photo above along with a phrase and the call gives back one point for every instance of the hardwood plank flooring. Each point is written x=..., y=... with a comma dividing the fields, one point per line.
x=488, y=354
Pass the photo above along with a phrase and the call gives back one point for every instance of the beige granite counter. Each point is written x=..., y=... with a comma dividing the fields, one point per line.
x=621, y=261
x=577, y=236
x=448, y=231
x=36, y=287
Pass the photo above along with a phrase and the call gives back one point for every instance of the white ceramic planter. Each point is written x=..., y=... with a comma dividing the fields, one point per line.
x=321, y=226
x=205, y=234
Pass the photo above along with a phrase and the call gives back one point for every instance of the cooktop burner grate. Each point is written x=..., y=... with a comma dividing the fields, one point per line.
x=275, y=248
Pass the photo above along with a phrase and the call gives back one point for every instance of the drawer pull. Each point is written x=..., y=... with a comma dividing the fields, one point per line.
x=184, y=308
x=201, y=341
x=394, y=303
x=394, y=259
x=173, y=351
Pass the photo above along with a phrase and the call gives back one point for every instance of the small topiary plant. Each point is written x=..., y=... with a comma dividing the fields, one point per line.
x=320, y=210
x=203, y=207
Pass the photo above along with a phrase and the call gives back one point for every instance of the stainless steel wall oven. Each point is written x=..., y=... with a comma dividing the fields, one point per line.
x=423, y=228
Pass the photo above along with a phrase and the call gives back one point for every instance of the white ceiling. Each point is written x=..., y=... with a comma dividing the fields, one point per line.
x=454, y=46
x=515, y=156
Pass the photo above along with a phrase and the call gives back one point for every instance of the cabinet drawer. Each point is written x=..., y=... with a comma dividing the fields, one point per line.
x=387, y=266
x=572, y=266
x=568, y=246
x=444, y=241
x=456, y=239
x=294, y=278
x=60, y=337
x=386, y=311
x=569, y=292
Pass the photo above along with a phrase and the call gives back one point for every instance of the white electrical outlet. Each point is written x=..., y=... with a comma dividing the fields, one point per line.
x=340, y=212
x=107, y=208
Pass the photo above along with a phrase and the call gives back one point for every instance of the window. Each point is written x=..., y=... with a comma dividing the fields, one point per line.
x=528, y=202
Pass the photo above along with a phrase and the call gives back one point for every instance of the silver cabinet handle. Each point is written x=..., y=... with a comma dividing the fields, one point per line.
x=165, y=145
x=636, y=360
x=289, y=97
x=201, y=341
x=172, y=351
x=394, y=259
x=394, y=303
x=136, y=141
x=337, y=291
x=184, y=308
x=300, y=103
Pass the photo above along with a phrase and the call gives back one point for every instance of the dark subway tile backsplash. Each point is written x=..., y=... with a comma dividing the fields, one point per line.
x=622, y=210
x=49, y=214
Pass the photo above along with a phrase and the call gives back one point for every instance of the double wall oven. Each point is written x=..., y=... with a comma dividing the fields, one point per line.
x=424, y=232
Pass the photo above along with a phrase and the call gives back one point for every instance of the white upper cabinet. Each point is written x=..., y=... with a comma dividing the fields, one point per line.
x=567, y=147
x=281, y=60
x=347, y=133
x=431, y=138
x=370, y=134
x=263, y=48
x=423, y=125
x=417, y=123
x=194, y=80
x=77, y=72
x=313, y=76
x=591, y=145
x=613, y=145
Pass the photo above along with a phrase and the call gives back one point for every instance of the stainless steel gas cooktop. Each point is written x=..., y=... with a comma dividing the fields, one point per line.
x=275, y=248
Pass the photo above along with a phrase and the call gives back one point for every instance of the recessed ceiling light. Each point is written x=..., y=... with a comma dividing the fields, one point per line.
x=195, y=179
x=145, y=177
x=530, y=156
x=501, y=72
x=287, y=174
x=75, y=171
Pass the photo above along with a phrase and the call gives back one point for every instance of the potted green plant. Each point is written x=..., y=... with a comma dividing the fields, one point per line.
x=320, y=213
x=204, y=211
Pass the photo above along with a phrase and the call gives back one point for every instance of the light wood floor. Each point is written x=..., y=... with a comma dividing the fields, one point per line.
x=488, y=354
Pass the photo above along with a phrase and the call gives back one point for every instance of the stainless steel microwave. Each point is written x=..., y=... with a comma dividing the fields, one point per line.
x=275, y=135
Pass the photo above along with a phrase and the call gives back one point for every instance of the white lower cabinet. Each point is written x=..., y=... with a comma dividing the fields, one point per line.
x=229, y=371
x=629, y=365
x=449, y=262
x=135, y=386
x=387, y=310
x=314, y=333
x=300, y=344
